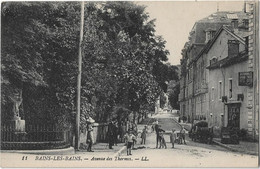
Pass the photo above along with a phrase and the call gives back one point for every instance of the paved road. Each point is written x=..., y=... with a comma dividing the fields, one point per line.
x=193, y=154
x=166, y=120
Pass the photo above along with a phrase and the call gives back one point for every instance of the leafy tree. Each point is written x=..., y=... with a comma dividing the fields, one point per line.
x=123, y=61
x=174, y=97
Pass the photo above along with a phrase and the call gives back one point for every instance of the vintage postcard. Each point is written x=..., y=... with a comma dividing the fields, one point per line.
x=129, y=84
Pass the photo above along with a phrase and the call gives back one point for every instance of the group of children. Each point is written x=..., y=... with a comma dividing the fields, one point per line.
x=131, y=139
x=177, y=138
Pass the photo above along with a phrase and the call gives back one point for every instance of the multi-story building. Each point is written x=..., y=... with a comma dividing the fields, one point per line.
x=227, y=56
x=219, y=81
x=194, y=76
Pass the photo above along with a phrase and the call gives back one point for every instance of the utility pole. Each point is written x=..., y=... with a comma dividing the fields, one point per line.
x=79, y=77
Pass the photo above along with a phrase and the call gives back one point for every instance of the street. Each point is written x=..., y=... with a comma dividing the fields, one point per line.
x=193, y=154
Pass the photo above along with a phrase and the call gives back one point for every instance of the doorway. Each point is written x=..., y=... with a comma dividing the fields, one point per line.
x=234, y=115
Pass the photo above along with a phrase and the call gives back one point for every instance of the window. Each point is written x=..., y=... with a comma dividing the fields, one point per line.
x=246, y=38
x=233, y=48
x=230, y=88
x=220, y=90
x=212, y=93
x=213, y=60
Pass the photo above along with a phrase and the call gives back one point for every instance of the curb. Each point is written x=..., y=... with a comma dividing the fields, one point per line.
x=233, y=149
x=66, y=151
x=118, y=153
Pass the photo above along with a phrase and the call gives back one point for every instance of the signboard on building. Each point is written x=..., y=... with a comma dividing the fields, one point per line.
x=245, y=79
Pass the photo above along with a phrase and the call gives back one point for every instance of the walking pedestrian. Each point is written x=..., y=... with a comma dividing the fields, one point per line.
x=173, y=137
x=143, y=135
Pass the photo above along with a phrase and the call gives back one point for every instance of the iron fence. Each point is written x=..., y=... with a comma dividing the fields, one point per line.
x=36, y=136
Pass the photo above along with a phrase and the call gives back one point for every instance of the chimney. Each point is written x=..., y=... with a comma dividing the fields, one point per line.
x=234, y=24
x=233, y=48
x=244, y=6
x=245, y=23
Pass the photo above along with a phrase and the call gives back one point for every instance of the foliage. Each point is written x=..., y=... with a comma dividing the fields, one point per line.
x=174, y=97
x=123, y=61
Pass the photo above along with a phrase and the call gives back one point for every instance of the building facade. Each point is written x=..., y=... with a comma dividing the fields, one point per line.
x=221, y=52
x=227, y=60
x=194, y=96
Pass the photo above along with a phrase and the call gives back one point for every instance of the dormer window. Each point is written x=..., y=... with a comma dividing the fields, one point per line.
x=233, y=48
x=210, y=33
x=213, y=60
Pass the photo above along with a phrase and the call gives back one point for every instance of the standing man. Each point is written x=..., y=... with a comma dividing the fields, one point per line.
x=90, y=137
x=156, y=128
x=182, y=134
x=115, y=134
x=134, y=132
x=110, y=135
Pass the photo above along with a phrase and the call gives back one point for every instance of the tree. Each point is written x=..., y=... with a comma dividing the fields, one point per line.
x=38, y=57
x=123, y=60
x=174, y=97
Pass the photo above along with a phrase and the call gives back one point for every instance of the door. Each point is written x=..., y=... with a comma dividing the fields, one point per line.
x=234, y=115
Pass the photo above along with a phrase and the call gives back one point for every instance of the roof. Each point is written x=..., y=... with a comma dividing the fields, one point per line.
x=239, y=36
x=210, y=43
x=214, y=22
x=200, y=36
x=225, y=16
x=242, y=56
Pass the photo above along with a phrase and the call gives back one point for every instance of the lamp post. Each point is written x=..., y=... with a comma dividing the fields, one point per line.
x=79, y=77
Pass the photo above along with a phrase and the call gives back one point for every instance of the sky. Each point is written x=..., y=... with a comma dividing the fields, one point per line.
x=175, y=19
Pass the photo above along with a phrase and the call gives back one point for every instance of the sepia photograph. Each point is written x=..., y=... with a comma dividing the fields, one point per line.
x=149, y=84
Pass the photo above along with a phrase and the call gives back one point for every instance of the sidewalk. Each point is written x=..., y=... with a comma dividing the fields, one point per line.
x=243, y=147
x=98, y=148
x=103, y=149
x=65, y=151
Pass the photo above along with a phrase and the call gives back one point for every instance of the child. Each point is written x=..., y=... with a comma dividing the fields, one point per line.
x=182, y=136
x=161, y=139
x=129, y=138
x=143, y=135
x=173, y=137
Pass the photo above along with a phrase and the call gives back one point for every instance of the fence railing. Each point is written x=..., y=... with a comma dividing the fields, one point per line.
x=36, y=136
